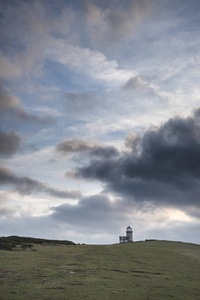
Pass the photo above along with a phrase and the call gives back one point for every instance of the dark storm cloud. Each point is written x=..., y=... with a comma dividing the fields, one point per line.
x=92, y=147
x=75, y=145
x=90, y=212
x=9, y=143
x=164, y=165
x=62, y=194
x=26, y=185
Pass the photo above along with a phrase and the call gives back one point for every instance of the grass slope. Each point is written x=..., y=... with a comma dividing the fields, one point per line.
x=143, y=270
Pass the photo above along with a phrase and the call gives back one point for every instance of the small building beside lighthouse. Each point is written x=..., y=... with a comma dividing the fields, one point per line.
x=129, y=236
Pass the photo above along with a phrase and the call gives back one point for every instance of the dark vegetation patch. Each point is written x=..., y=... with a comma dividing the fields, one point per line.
x=115, y=270
x=10, y=242
x=144, y=272
x=7, y=244
x=55, y=288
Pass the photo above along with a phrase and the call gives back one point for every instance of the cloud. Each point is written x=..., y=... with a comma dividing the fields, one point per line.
x=92, y=147
x=27, y=28
x=20, y=114
x=101, y=219
x=21, y=34
x=7, y=212
x=40, y=33
x=108, y=24
x=62, y=194
x=138, y=83
x=88, y=62
x=26, y=185
x=9, y=143
x=7, y=101
x=27, y=225
x=76, y=145
x=80, y=101
x=163, y=166
x=11, y=107
x=8, y=68
x=102, y=214
x=132, y=142
x=95, y=212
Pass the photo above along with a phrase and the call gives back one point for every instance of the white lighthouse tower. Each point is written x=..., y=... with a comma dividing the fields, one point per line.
x=129, y=234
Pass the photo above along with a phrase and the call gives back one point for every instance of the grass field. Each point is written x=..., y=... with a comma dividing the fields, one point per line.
x=143, y=270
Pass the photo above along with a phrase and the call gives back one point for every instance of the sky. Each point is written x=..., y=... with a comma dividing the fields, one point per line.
x=100, y=119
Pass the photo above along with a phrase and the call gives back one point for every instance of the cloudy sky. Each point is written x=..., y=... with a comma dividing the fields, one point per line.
x=100, y=119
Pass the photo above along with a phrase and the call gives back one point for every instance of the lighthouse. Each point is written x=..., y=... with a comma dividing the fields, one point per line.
x=129, y=236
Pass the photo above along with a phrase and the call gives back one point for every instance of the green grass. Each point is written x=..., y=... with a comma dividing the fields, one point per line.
x=144, y=270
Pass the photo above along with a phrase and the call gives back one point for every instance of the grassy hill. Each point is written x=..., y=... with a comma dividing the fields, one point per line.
x=143, y=270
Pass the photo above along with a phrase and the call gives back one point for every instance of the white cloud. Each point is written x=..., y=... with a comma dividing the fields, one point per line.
x=48, y=111
x=87, y=62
